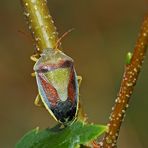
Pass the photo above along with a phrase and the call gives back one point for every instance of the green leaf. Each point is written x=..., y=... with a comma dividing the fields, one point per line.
x=69, y=137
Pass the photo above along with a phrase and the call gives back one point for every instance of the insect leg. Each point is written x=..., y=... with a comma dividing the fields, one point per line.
x=79, y=80
x=33, y=74
x=38, y=101
x=34, y=57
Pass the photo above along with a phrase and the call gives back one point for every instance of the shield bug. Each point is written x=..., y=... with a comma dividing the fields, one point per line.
x=58, y=84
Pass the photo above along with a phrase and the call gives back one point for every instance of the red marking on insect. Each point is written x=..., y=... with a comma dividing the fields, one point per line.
x=71, y=86
x=50, y=91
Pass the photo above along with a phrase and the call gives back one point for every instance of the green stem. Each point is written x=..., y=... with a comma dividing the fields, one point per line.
x=40, y=23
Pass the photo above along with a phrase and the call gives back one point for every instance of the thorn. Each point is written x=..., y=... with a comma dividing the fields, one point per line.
x=128, y=58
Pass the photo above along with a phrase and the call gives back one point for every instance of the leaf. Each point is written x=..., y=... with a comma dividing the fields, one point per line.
x=69, y=137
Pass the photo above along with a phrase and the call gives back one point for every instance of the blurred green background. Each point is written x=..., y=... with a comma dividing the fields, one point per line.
x=104, y=32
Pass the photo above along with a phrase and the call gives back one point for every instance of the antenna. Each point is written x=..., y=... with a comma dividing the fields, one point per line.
x=65, y=34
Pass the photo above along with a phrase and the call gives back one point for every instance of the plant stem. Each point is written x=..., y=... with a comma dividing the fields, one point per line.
x=128, y=82
x=40, y=23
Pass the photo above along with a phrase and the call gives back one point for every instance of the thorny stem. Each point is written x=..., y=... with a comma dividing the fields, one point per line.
x=126, y=89
x=40, y=23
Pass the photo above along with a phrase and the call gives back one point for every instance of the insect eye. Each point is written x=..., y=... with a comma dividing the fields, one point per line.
x=44, y=69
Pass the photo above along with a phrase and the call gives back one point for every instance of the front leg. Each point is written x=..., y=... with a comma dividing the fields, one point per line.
x=38, y=102
x=35, y=57
x=33, y=74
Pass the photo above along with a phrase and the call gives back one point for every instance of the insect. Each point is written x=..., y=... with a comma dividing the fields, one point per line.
x=58, y=85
